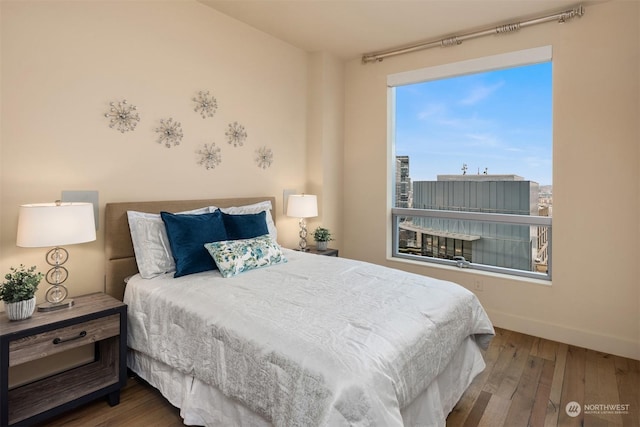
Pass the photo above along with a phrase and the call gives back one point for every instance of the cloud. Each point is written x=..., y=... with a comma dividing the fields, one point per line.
x=479, y=93
x=482, y=140
x=440, y=115
x=465, y=122
x=431, y=111
x=536, y=162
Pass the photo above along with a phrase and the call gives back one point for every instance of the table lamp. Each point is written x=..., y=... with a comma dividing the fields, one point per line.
x=302, y=206
x=55, y=224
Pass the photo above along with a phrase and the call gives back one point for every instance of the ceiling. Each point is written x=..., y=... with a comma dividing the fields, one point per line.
x=350, y=28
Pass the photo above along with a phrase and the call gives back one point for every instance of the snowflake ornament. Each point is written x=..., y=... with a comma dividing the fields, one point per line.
x=169, y=132
x=206, y=104
x=210, y=156
x=122, y=116
x=236, y=134
x=264, y=157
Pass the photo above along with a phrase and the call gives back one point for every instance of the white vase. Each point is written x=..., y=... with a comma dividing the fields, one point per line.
x=321, y=246
x=20, y=310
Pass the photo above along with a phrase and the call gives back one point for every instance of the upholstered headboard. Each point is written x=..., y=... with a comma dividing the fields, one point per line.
x=120, y=258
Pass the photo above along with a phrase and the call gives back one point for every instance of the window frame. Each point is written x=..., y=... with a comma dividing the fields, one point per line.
x=472, y=66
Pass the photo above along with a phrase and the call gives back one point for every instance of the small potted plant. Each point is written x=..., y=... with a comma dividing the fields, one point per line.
x=322, y=236
x=18, y=292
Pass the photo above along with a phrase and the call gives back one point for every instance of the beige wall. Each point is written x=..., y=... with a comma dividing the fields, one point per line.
x=325, y=130
x=594, y=299
x=64, y=61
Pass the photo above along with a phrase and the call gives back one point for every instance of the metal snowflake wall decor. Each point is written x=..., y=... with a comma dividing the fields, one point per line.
x=206, y=104
x=169, y=132
x=210, y=156
x=122, y=116
x=236, y=134
x=264, y=157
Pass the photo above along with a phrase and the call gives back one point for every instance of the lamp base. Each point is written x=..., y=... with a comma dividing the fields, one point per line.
x=50, y=306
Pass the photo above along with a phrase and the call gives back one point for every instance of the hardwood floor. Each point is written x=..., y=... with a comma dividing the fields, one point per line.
x=140, y=406
x=528, y=382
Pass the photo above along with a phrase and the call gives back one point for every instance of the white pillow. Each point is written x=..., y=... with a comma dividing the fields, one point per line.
x=254, y=209
x=151, y=244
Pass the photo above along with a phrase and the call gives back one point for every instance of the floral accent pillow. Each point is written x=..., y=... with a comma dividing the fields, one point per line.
x=237, y=256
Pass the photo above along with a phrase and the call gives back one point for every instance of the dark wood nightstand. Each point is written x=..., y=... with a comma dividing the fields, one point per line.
x=95, y=318
x=328, y=252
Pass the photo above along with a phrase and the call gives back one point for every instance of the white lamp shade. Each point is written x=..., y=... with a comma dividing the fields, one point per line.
x=50, y=224
x=302, y=206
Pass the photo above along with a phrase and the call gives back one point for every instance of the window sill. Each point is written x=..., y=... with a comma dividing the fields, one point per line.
x=489, y=274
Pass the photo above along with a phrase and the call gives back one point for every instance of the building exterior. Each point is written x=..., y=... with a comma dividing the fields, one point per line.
x=541, y=259
x=404, y=192
x=502, y=245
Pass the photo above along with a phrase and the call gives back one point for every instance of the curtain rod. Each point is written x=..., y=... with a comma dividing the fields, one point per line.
x=561, y=17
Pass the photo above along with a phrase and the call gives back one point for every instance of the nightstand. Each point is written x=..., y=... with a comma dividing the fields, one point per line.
x=94, y=319
x=328, y=252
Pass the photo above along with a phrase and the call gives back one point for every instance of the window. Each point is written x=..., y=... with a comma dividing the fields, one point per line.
x=472, y=160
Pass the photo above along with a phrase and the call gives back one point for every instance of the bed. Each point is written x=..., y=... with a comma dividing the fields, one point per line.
x=307, y=340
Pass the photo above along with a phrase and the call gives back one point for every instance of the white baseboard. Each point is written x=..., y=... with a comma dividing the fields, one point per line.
x=578, y=337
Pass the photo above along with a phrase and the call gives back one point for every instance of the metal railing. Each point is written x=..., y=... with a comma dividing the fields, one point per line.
x=495, y=218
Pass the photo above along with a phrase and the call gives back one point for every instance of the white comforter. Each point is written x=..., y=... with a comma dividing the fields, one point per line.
x=308, y=341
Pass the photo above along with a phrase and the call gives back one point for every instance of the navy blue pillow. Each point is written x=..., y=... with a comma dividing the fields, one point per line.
x=246, y=226
x=187, y=236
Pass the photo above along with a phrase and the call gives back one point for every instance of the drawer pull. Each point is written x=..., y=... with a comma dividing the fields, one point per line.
x=60, y=340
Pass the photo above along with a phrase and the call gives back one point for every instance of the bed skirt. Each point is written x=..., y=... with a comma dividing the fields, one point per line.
x=204, y=405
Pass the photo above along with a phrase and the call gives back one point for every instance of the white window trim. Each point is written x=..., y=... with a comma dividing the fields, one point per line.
x=531, y=56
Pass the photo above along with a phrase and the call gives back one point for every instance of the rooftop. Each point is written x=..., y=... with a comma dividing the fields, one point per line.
x=480, y=177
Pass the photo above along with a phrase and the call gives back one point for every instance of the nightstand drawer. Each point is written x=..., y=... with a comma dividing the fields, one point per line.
x=40, y=345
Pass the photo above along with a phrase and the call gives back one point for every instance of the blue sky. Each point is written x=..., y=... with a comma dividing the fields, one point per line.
x=500, y=120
